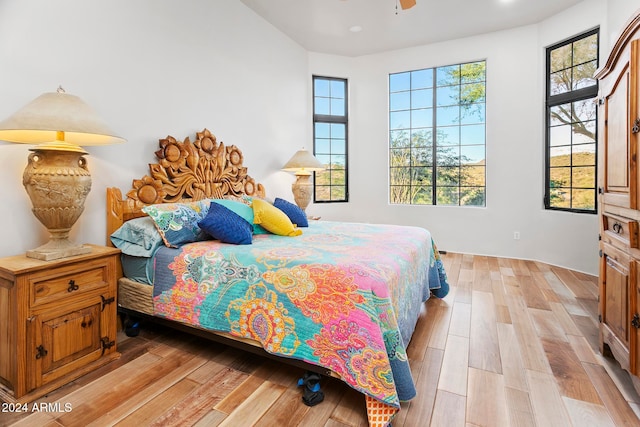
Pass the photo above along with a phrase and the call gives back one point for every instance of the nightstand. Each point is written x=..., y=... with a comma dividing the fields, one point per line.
x=57, y=320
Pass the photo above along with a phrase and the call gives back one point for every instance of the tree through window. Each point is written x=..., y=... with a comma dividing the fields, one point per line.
x=330, y=138
x=571, y=124
x=437, y=135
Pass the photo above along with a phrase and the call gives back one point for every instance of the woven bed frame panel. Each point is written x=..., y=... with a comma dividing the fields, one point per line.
x=135, y=296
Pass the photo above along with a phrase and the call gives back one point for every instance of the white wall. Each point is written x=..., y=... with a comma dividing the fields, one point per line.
x=150, y=68
x=619, y=12
x=515, y=146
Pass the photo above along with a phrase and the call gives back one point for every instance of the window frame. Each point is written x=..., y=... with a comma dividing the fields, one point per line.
x=332, y=119
x=434, y=184
x=570, y=97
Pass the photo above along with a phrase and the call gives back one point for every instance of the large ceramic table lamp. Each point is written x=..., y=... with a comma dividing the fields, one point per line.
x=302, y=164
x=56, y=177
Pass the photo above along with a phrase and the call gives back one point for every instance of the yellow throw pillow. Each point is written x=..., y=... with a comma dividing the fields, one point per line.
x=273, y=219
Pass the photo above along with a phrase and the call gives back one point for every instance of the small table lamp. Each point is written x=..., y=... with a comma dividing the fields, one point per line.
x=302, y=164
x=56, y=177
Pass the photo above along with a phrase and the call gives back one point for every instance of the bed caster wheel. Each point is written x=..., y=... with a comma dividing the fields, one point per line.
x=311, y=393
x=131, y=326
x=132, y=329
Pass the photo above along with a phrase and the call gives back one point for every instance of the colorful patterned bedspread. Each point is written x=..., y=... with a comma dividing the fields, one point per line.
x=344, y=296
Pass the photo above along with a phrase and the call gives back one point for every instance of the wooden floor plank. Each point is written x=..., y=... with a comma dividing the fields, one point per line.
x=564, y=319
x=456, y=354
x=581, y=347
x=239, y=394
x=512, y=366
x=520, y=267
x=460, y=320
x=464, y=285
x=617, y=407
x=254, y=406
x=420, y=337
x=547, y=325
x=546, y=401
x=211, y=418
x=149, y=410
x=620, y=378
x=449, y=410
x=351, y=410
x=565, y=295
x=482, y=280
x=585, y=414
x=197, y=404
x=285, y=412
x=570, y=376
x=484, y=351
x=482, y=411
x=576, y=285
x=519, y=407
x=150, y=394
x=421, y=407
x=531, y=350
x=532, y=294
x=119, y=390
x=440, y=316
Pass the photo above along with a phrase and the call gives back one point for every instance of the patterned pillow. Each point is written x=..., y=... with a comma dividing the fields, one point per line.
x=243, y=198
x=223, y=224
x=273, y=219
x=295, y=214
x=177, y=223
x=137, y=237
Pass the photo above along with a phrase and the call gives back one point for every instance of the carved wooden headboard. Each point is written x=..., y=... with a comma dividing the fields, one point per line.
x=204, y=168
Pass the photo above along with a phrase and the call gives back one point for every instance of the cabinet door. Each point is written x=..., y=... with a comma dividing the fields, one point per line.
x=62, y=342
x=616, y=276
x=70, y=337
x=618, y=180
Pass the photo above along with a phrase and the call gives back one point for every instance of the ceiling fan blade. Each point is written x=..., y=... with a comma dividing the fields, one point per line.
x=407, y=4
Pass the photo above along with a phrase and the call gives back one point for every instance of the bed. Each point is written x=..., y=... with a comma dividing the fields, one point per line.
x=205, y=251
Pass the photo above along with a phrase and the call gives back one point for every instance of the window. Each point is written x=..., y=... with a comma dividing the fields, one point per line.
x=330, y=138
x=571, y=124
x=437, y=136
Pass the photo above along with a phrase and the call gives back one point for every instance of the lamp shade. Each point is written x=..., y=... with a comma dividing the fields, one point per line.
x=303, y=161
x=41, y=121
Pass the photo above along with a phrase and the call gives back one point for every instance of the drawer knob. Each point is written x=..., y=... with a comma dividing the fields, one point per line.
x=72, y=286
x=617, y=227
x=636, y=126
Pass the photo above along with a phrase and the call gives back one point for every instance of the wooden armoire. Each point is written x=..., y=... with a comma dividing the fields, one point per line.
x=619, y=200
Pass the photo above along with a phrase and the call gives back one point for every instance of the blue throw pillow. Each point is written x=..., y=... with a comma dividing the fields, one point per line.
x=242, y=209
x=295, y=214
x=223, y=224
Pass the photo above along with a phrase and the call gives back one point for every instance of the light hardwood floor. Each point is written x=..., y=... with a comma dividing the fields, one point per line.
x=513, y=344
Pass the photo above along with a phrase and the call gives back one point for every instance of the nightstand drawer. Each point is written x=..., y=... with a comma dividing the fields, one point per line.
x=66, y=282
x=619, y=231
